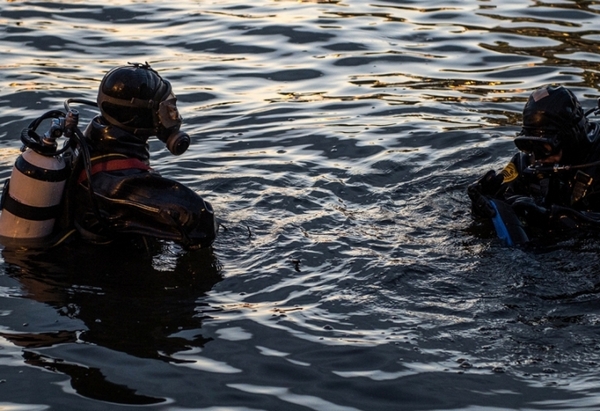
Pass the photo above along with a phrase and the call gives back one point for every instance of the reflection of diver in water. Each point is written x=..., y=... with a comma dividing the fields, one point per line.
x=100, y=184
x=126, y=303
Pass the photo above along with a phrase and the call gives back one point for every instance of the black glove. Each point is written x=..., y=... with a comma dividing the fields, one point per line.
x=478, y=191
x=480, y=203
x=490, y=183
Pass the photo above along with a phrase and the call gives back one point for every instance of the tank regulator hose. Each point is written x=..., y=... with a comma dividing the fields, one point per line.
x=34, y=141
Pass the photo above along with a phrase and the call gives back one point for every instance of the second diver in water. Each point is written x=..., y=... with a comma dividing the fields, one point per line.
x=553, y=182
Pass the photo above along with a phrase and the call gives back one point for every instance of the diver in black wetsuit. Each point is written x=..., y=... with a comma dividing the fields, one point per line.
x=126, y=196
x=99, y=183
x=553, y=182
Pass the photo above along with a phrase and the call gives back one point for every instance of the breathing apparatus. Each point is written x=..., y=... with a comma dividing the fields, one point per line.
x=554, y=123
x=134, y=98
x=137, y=99
x=32, y=196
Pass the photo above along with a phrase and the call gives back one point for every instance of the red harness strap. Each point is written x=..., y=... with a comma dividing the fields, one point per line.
x=115, y=165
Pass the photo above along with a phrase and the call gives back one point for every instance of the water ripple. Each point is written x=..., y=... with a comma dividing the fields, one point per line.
x=335, y=139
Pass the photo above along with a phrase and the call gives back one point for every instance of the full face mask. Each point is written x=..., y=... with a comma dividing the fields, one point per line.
x=137, y=99
x=169, y=123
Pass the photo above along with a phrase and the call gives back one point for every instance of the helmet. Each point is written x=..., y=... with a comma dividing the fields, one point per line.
x=137, y=99
x=553, y=120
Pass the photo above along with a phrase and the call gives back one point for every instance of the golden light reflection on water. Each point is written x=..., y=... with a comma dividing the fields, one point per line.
x=8, y=156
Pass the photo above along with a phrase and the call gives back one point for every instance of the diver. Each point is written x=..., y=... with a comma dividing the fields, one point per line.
x=106, y=187
x=553, y=183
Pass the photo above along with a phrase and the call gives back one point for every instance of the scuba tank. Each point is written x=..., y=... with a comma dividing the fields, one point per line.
x=32, y=196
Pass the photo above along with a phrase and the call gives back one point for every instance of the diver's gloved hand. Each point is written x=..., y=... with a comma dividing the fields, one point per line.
x=478, y=191
x=532, y=213
x=489, y=184
x=480, y=203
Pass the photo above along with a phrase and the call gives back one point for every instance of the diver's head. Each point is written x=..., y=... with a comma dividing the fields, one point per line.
x=554, y=127
x=137, y=99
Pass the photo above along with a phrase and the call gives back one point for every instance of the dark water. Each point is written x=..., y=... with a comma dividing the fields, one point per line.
x=335, y=140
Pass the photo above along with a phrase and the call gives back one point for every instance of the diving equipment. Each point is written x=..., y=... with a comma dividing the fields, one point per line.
x=553, y=120
x=99, y=183
x=509, y=228
x=137, y=99
x=32, y=195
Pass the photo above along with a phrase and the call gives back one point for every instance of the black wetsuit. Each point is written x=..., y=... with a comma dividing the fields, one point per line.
x=128, y=197
x=545, y=197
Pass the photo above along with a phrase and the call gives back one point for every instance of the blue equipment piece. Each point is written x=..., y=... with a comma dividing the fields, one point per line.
x=508, y=226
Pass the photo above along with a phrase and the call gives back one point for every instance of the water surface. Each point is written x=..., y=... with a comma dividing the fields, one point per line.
x=335, y=140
